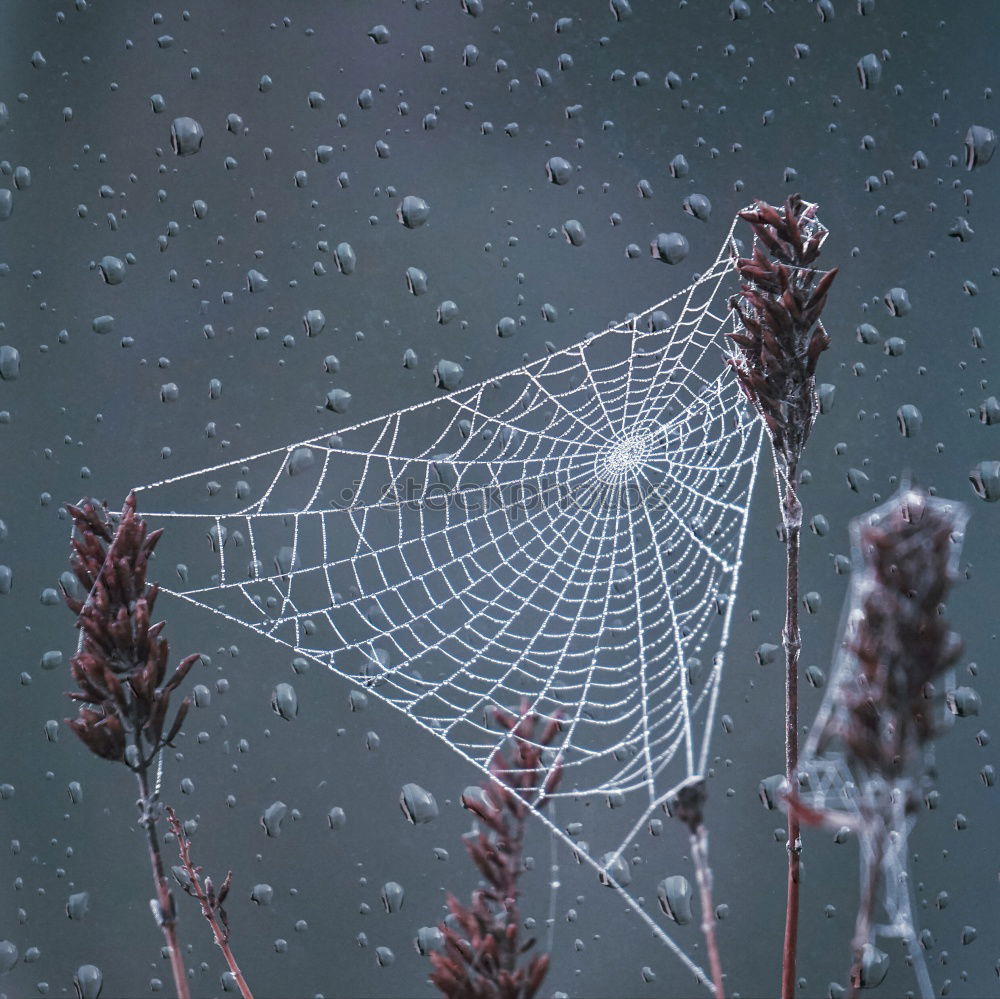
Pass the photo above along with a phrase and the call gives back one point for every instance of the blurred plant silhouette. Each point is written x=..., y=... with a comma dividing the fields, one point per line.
x=781, y=298
x=896, y=645
x=120, y=667
x=482, y=953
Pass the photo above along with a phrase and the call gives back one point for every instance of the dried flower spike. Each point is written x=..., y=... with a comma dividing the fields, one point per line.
x=120, y=665
x=120, y=669
x=481, y=956
x=782, y=297
x=900, y=641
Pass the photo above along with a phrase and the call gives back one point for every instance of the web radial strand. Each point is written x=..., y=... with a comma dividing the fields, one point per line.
x=569, y=533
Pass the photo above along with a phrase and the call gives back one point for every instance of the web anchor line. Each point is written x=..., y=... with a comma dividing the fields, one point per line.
x=569, y=533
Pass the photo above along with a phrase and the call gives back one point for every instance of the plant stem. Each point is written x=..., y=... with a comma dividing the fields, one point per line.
x=703, y=873
x=165, y=913
x=866, y=908
x=791, y=510
x=207, y=909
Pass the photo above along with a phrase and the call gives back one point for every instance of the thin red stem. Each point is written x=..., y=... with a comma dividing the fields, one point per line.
x=165, y=915
x=703, y=873
x=866, y=911
x=184, y=848
x=792, y=517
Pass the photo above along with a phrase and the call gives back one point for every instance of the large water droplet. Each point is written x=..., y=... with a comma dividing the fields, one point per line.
x=272, y=818
x=559, y=170
x=615, y=867
x=670, y=247
x=980, y=145
x=413, y=212
x=674, y=896
x=112, y=270
x=418, y=805
x=186, y=136
x=284, y=701
x=88, y=981
x=392, y=896
x=448, y=374
x=10, y=363
x=985, y=479
x=874, y=966
x=869, y=71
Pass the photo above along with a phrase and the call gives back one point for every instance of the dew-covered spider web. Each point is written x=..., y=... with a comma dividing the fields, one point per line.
x=567, y=533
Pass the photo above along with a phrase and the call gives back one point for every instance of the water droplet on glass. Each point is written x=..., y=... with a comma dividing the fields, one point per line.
x=301, y=459
x=897, y=301
x=186, y=136
x=980, y=145
x=384, y=957
x=345, y=259
x=985, y=479
x=874, y=966
x=284, y=701
x=112, y=270
x=338, y=400
x=869, y=71
x=615, y=867
x=416, y=281
x=413, y=212
x=429, y=938
x=262, y=894
x=77, y=905
x=392, y=896
x=418, y=805
x=769, y=789
x=670, y=247
x=446, y=312
x=448, y=375
x=674, y=896
x=699, y=206
x=88, y=981
x=909, y=420
x=559, y=170
x=336, y=818
x=574, y=232
x=963, y=702
x=10, y=363
x=272, y=818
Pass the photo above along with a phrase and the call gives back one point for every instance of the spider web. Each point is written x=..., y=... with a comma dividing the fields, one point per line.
x=569, y=533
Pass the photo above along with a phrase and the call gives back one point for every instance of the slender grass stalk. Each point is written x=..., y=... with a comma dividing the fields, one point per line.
x=209, y=900
x=688, y=805
x=163, y=905
x=781, y=298
x=120, y=670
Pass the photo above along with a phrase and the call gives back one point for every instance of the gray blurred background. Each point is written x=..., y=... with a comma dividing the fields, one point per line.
x=761, y=105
